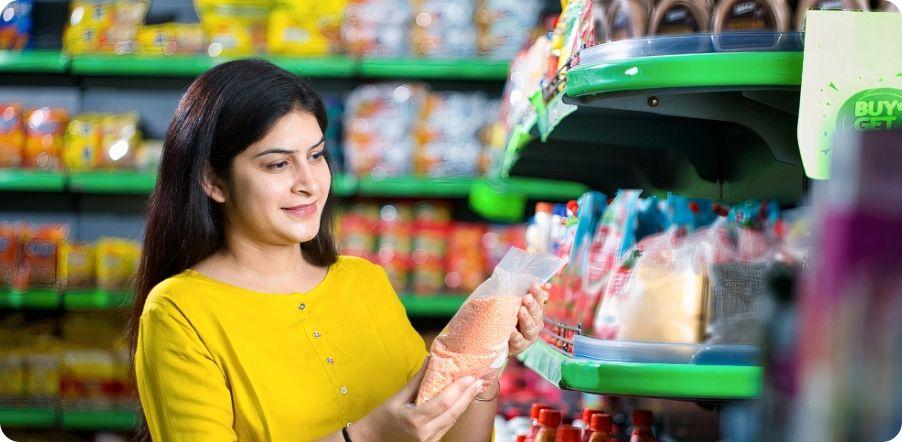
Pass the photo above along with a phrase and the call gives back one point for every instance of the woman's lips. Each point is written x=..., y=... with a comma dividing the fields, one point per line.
x=302, y=211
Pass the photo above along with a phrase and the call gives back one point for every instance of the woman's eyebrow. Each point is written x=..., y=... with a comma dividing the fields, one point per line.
x=274, y=150
x=318, y=143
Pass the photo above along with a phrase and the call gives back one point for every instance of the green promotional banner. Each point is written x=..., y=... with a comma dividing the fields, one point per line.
x=851, y=81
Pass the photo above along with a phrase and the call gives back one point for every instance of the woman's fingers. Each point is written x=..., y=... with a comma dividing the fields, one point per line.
x=449, y=417
x=435, y=407
x=527, y=325
x=408, y=394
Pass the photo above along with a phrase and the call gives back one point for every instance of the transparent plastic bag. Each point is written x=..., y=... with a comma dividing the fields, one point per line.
x=474, y=343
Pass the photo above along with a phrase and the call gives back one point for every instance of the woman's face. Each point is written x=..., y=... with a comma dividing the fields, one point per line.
x=279, y=184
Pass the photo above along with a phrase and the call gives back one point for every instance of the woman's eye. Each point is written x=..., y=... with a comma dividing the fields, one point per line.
x=276, y=166
x=318, y=156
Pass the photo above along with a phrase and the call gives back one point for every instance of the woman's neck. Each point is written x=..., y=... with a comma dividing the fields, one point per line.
x=261, y=267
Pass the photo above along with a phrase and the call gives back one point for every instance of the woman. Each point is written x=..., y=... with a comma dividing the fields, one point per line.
x=247, y=324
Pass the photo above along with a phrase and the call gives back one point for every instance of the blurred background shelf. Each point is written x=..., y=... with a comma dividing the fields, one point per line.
x=30, y=300
x=31, y=180
x=434, y=69
x=115, y=420
x=112, y=182
x=48, y=62
x=95, y=300
x=411, y=186
x=27, y=417
x=434, y=305
x=190, y=65
x=693, y=382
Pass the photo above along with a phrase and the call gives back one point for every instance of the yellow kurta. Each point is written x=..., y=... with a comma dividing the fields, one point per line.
x=219, y=362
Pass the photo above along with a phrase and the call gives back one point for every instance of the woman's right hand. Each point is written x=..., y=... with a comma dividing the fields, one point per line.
x=398, y=419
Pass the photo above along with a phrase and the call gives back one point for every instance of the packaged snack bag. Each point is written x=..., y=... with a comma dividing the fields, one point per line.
x=12, y=135
x=466, y=262
x=234, y=27
x=428, y=256
x=15, y=24
x=40, y=254
x=119, y=140
x=377, y=28
x=395, y=243
x=116, y=262
x=44, y=138
x=443, y=29
x=82, y=148
x=475, y=341
x=305, y=28
x=76, y=266
x=10, y=250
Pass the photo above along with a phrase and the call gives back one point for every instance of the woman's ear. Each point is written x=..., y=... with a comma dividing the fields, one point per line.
x=214, y=187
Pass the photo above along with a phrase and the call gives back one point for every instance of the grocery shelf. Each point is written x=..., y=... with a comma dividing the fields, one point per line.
x=432, y=305
x=30, y=299
x=473, y=69
x=33, y=61
x=95, y=300
x=722, y=69
x=413, y=186
x=504, y=199
x=330, y=66
x=112, y=182
x=716, y=125
x=31, y=180
x=142, y=65
x=113, y=420
x=344, y=184
x=673, y=381
x=27, y=417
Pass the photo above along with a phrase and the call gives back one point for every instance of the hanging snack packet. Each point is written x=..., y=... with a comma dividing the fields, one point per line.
x=474, y=343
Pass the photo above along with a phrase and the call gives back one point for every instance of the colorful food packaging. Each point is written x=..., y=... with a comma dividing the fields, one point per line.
x=395, y=243
x=377, y=28
x=449, y=134
x=44, y=138
x=10, y=250
x=305, y=28
x=171, y=38
x=15, y=24
x=116, y=262
x=40, y=255
x=82, y=147
x=76, y=266
x=443, y=29
x=119, y=140
x=12, y=135
x=475, y=341
x=234, y=27
x=465, y=262
x=429, y=249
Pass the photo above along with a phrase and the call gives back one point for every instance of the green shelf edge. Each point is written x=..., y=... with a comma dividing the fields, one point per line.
x=112, y=182
x=687, y=71
x=344, y=184
x=432, y=305
x=452, y=187
x=27, y=418
x=427, y=68
x=98, y=420
x=677, y=381
x=131, y=65
x=37, y=299
x=330, y=66
x=504, y=199
x=34, y=180
x=33, y=61
x=95, y=300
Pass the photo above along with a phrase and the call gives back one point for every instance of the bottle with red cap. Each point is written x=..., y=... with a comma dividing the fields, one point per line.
x=534, y=415
x=549, y=420
x=599, y=428
x=642, y=422
x=567, y=433
x=586, y=417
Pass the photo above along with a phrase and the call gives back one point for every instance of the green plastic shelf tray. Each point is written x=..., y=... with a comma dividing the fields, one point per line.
x=711, y=70
x=436, y=69
x=505, y=199
x=334, y=66
x=98, y=420
x=435, y=305
x=30, y=299
x=344, y=184
x=95, y=300
x=33, y=61
x=32, y=180
x=27, y=417
x=112, y=182
x=415, y=187
x=676, y=381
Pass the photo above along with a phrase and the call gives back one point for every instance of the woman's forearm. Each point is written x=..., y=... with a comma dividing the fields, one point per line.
x=477, y=423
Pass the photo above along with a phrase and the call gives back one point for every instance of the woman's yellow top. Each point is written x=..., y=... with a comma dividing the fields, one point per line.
x=218, y=362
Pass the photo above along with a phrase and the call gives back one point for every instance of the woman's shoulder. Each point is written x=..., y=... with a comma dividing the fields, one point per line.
x=357, y=266
x=174, y=291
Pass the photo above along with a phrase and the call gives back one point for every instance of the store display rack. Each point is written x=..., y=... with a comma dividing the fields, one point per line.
x=692, y=382
x=85, y=420
x=709, y=116
x=188, y=65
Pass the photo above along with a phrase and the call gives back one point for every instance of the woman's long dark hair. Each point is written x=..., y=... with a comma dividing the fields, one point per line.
x=224, y=111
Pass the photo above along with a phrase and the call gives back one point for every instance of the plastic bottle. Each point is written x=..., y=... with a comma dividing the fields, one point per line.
x=567, y=433
x=538, y=233
x=599, y=428
x=534, y=415
x=586, y=416
x=642, y=422
x=549, y=420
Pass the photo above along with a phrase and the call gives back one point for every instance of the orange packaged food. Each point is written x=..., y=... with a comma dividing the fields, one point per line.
x=45, y=130
x=9, y=253
x=428, y=256
x=475, y=341
x=12, y=135
x=466, y=261
x=40, y=251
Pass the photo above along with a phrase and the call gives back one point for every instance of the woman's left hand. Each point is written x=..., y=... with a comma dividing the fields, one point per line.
x=529, y=319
